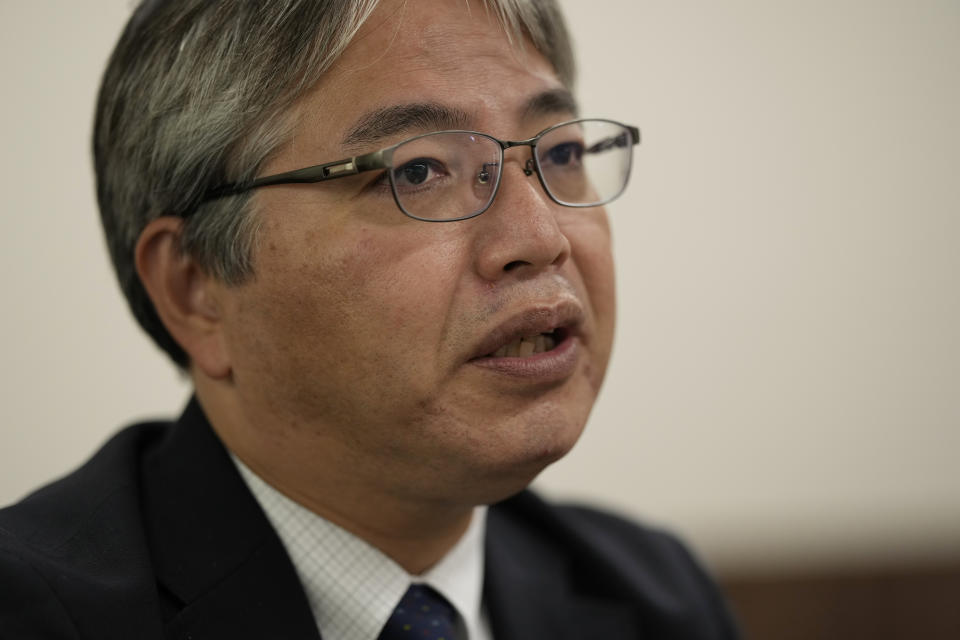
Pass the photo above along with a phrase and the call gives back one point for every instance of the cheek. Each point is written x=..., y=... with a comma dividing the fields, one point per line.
x=399, y=288
x=346, y=318
x=591, y=253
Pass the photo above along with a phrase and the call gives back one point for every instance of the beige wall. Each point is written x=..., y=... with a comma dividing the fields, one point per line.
x=786, y=385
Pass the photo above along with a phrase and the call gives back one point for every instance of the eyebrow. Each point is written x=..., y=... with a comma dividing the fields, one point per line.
x=552, y=102
x=379, y=124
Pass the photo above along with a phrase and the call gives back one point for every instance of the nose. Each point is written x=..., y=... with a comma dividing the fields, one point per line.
x=519, y=235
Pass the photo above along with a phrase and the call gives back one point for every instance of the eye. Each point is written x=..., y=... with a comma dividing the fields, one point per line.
x=564, y=154
x=418, y=172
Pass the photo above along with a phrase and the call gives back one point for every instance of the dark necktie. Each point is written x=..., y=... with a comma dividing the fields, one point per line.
x=423, y=614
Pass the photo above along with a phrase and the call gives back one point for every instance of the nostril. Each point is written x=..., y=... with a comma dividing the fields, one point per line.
x=513, y=265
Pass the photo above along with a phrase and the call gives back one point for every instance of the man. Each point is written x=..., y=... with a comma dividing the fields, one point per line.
x=392, y=316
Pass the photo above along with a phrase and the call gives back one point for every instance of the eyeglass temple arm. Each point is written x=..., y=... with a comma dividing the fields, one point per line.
x=611, y=142
x=316, y=173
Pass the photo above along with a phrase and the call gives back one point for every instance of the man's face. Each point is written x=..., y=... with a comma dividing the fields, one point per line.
x=369, y=334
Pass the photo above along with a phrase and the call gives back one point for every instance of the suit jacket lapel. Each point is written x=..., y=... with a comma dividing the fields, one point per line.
x=530, y=592
x=213, y=549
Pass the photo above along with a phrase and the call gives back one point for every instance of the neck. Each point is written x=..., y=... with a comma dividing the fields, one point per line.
x=358, y=495
x=415, y=536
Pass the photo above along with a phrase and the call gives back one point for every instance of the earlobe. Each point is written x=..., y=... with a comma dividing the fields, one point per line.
x=184, y=295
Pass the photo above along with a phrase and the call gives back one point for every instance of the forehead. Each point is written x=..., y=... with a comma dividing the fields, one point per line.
x=439, y=51
x=436, y=35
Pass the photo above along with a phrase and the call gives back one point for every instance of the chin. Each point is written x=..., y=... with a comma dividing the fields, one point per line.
x=512, y=468
x=494, y=445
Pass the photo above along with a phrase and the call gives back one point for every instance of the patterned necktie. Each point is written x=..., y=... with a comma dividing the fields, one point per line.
x=423, y=614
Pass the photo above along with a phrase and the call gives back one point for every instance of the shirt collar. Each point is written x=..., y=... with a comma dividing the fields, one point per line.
x=353, y=587
x=459, y=574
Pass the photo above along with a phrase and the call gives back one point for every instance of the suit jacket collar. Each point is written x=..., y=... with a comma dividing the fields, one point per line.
x=212, y=548
x=531, y=592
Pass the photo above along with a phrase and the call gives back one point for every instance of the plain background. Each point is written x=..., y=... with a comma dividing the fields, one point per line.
x=785, y=389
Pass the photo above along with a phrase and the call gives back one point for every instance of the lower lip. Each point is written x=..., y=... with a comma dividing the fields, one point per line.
x=555, y=365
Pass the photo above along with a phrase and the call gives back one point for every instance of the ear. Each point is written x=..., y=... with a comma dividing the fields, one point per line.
x=184, y=295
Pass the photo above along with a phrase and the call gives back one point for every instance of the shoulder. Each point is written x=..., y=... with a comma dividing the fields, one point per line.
x=56, y=513
x=612, y=557
x=76, y=544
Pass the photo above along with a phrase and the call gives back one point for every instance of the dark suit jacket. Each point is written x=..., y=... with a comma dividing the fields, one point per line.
x=158, y=537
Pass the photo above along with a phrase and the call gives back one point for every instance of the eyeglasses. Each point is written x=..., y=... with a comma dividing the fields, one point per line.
x=455, y=175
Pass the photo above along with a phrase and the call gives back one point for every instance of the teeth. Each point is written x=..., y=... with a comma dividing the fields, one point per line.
x=527, y=346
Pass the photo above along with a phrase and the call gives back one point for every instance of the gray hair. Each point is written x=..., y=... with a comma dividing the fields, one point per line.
x=198, y=93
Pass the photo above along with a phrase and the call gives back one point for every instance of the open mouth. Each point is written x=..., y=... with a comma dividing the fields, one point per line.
x=526, y=346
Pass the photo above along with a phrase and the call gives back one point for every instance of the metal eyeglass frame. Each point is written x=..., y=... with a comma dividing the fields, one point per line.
x=383, y=159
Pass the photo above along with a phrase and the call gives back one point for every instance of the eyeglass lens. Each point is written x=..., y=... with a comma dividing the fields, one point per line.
x=453, y=175
x=446, y=176
x=585, y=163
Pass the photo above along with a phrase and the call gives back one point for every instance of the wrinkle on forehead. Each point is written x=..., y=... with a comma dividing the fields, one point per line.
x=436, y=41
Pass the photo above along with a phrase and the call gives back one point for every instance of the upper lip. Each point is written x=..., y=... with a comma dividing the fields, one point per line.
x=535, y=319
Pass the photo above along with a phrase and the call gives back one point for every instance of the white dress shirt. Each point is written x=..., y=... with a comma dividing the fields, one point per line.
x=352, y=586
